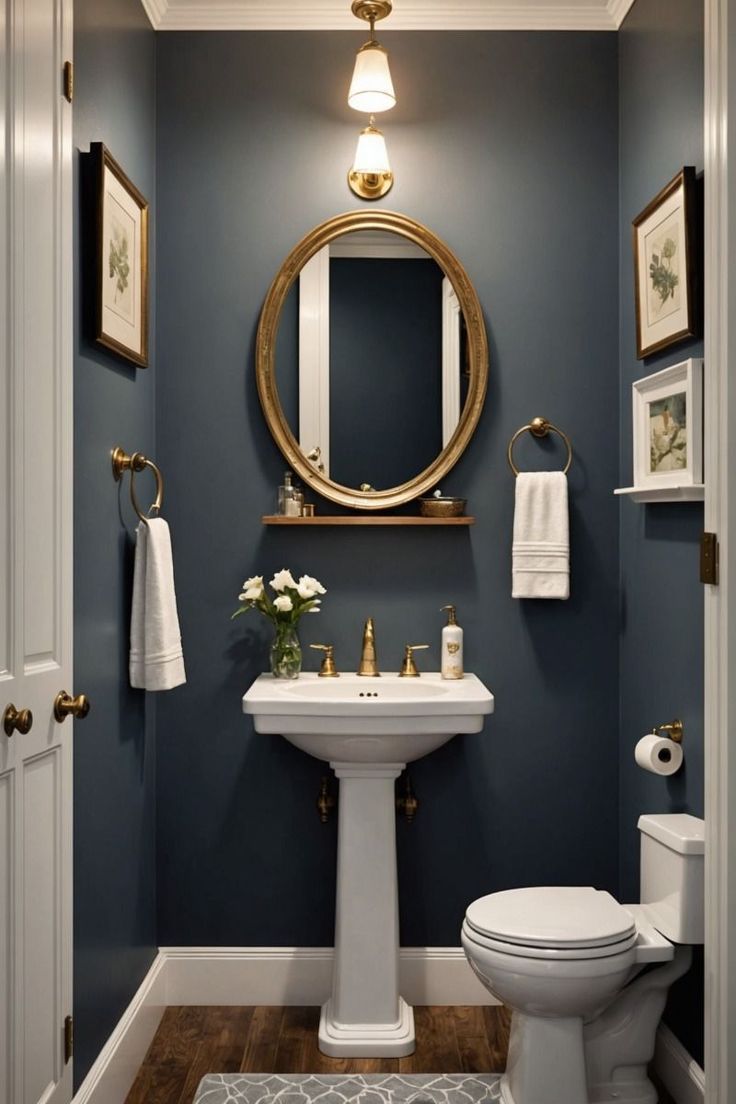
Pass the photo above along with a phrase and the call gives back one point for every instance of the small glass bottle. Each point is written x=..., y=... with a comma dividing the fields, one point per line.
x=299, y=499
x=288, y=505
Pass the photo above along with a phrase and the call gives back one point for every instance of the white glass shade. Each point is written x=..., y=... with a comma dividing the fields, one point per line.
x=371, y=88
x=371, y=156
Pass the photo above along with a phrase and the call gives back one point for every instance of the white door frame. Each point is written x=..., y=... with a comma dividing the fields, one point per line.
x=720, y=601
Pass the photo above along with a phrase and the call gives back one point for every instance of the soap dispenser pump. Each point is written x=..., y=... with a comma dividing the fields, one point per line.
x=451, y=663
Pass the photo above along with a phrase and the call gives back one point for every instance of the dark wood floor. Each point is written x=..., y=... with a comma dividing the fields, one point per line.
x=192, y=1041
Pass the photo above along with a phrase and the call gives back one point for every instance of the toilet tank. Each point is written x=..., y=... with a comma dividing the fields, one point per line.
x=672, y=887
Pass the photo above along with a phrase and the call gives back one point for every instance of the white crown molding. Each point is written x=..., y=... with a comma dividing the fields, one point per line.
x=156, y=12
x=411, y=15
x=619, y=9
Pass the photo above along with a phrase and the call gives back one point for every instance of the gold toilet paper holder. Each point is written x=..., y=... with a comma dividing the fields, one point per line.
x=675, y=730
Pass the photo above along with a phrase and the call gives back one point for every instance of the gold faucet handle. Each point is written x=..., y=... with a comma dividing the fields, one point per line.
x=328, y=669
x=409, y=667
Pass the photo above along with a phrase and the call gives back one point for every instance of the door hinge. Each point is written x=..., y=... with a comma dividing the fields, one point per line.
x=709, y=559
x=68, y=81
x=68, y=1038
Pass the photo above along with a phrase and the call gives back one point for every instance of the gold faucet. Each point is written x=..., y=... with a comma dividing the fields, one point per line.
x=368, y=661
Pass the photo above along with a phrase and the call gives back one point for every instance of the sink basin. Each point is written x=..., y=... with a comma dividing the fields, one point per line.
x=353, y=719
x=368, y=729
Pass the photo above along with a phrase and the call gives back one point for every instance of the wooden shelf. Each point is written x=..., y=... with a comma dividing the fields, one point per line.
x=363, y=519
x=692, y=492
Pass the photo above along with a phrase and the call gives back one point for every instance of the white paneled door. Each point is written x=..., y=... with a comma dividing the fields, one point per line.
x=35, y=552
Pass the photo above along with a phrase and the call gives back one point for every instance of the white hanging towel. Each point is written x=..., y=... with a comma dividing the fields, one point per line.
x=156, y=658
x=541, y=547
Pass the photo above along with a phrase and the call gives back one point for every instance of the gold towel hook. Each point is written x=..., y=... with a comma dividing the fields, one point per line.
x=136, y=462
x=538, y=427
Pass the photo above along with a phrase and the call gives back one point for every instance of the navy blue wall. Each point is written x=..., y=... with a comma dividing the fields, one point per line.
x=661, y=649
x=505, y=145
x=114, y=823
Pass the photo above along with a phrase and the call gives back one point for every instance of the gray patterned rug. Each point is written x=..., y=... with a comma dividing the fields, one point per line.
x=343, y=1088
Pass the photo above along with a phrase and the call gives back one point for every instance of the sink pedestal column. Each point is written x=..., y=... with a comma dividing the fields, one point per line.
x=366, y=1016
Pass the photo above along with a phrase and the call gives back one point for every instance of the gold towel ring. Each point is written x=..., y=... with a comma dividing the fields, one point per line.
x=122, y=462
x=538, y=427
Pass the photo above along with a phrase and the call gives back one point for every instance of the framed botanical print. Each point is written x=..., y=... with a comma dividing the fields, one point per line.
x=665, y=261
x=668, y=426
x=121, y=262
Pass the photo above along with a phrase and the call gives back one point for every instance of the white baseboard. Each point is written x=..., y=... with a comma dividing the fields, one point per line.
x=110, y=1078
x=302, y=975
x=677, y=1070
x=254, y=975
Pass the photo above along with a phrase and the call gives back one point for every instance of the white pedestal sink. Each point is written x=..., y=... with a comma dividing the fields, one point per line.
x=368, y=729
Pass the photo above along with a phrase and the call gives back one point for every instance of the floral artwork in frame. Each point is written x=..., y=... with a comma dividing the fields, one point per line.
x=665, y=264
x=668, y=426
x=121, y=262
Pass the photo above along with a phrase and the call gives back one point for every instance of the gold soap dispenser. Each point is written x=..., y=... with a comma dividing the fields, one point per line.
x=451, y=662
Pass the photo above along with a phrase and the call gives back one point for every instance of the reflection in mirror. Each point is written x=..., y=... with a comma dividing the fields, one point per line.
x=370, y=363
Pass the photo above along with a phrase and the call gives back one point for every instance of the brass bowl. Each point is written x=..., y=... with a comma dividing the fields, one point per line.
x=442, y=507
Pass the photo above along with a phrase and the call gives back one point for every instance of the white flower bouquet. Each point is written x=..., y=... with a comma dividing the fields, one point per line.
x=284, y=610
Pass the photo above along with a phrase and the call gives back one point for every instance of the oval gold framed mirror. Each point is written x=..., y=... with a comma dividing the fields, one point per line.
x=417, y=391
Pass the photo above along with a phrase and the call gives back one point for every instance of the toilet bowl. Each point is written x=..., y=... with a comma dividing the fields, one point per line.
x=568, y=961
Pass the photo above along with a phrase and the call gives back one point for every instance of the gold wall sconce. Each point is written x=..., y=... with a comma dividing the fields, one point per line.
x=371, y=90
x=371, y=176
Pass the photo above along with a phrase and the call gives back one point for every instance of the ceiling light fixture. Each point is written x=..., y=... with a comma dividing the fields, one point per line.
x=371, y=89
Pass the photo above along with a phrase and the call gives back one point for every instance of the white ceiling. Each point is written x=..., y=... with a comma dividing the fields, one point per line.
x=415, y=15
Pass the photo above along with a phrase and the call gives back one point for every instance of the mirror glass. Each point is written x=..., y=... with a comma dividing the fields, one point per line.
x=371, y=364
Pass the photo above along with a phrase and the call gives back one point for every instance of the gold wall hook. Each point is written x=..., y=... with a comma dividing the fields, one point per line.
x=328, y=668
x=17, y=720
x=675, y=730
x=325, y=801
x=409, y=667
x=407, y=802
x=67, y=706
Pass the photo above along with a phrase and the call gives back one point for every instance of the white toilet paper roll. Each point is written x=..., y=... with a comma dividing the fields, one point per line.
x=658, y=754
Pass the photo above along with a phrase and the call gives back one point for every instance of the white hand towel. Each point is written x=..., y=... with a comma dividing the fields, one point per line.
x=156, y=658
x=541, y=548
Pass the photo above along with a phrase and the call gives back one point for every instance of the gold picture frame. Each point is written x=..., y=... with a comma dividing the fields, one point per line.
x=666, y=278
x=121, y=261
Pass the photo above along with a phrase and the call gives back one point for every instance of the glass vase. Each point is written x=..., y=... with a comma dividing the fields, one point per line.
x=286, y=653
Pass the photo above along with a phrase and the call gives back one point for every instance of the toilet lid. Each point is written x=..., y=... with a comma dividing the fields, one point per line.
x=564, y=917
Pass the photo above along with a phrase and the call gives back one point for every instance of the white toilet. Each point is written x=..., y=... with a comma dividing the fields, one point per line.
x=571, y=964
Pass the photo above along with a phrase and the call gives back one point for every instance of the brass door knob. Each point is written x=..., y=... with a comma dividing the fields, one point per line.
x=67, y=706
x=17, y=720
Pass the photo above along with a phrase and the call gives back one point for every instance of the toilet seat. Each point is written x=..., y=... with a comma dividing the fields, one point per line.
x=551, y=922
